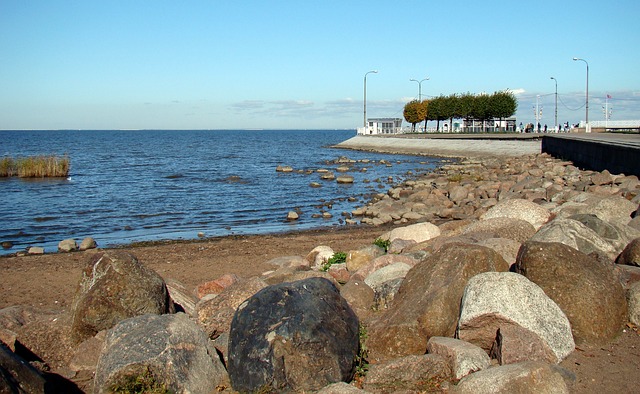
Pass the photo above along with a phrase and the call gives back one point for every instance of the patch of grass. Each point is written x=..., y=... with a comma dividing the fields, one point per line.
x=337, y=258
x=35, y=166
x=144, y=382
x=455, y=177
x=362, y=364
x=382, y=243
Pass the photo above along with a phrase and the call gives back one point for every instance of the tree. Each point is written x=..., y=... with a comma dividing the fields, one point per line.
x=464, y=107
x=504, y=104
x=414, y=112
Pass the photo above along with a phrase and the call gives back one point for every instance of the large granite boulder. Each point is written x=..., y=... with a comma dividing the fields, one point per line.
x=519, y=209
x=525, y=377
x=168, y=353
x=115, y=286
x=589, y=292
x=496, y=299
x=294, y=336
x=428, y=301
x=575, y=234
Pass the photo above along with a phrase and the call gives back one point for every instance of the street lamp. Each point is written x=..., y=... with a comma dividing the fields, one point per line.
x=556, y=81
x=587, y=128
x=419, y=87
x=364, y=123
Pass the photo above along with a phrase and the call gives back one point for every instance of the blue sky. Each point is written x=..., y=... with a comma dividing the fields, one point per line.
x=300, y=64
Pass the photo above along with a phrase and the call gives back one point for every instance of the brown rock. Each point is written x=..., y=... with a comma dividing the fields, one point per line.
x=587, y=291
x=428, y=302
x=631, y=254
x=514, y=344
x=114, y=287
x=359, y=296
x=215, y=313
x=216, y=286
x=356, y=259
x=419, y=373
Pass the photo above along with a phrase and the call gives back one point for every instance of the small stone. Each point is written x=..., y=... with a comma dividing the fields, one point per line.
x=292, y=215
x=35, y=250
x=67, y=245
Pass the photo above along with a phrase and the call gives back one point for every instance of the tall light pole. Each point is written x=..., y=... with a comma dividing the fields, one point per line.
x=364, y=122
x=587, y=129
x=420, y=87
x=556, y=81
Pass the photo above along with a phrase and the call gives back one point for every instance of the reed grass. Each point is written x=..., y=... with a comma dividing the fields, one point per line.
x=35, y=166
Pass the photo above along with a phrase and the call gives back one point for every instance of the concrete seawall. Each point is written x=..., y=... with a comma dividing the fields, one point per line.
x=444, y=147
x=617, y=153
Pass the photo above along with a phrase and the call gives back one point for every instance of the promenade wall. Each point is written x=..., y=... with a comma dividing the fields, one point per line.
x=595, y=154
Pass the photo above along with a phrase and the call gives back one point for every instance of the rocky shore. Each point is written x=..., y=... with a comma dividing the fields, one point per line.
x=492, y=274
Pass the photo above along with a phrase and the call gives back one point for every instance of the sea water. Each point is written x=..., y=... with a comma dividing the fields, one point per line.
x=144, y=185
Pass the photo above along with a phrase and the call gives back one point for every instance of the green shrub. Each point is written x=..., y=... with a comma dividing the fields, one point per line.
x=382, y=243
x=362, y=364
x=337, y=258
x=145, y=382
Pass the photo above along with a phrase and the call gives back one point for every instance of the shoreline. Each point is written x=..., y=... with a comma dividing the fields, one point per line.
x=447, y=146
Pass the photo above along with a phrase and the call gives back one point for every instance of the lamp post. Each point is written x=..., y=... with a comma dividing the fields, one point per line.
x=587, y=129
x=420, y=87
x=556, y=81
x=364, y=123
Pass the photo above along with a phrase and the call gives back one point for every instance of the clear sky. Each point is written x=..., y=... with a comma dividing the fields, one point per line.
x=300, y=64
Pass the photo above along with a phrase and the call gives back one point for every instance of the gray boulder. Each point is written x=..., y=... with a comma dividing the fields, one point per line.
x=526, y=377
x=297, y=336
x=588, y=292
x=410, y=374
x=115, y=286
x=618, y=235
x=463, y=357
x=418, y=232
x=515, y=229
x=495, y=299
x=428, y=302
x=575, y=234
x=519, y=209
x=162, y=352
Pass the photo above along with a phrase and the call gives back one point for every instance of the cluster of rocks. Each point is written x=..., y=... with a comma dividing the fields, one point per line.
x=64, y=246
x=540, y=257
x=342, y=166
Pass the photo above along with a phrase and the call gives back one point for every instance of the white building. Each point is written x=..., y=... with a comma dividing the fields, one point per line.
x=381, y=126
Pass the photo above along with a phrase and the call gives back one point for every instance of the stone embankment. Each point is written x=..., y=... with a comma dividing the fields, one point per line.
x=495, y=269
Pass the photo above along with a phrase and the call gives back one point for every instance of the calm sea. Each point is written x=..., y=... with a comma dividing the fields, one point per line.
x=128, y=186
